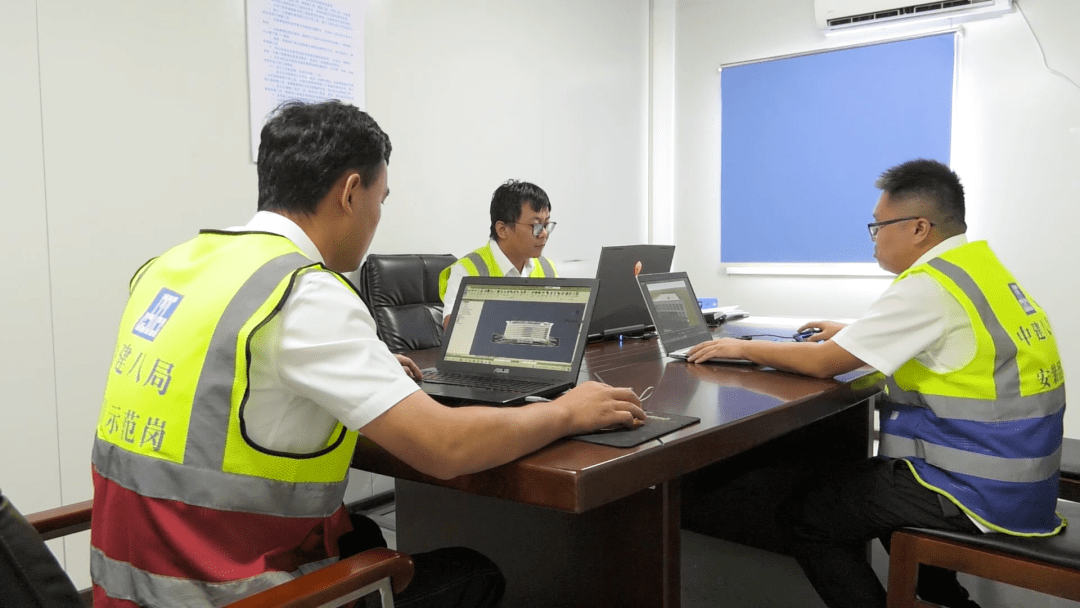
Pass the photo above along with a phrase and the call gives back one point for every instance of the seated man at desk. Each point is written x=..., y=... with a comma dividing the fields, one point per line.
x=244, y=366
x=972, y=416
x=520, y=227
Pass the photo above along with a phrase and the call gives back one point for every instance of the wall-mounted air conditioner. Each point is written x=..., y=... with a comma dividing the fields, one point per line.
x=840, y=15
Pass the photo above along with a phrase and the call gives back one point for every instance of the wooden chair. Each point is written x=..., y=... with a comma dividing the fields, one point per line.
x=26, y=563
x=1049, y=565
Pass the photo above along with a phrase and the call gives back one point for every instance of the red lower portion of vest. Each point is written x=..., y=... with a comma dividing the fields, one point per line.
x=171, y=538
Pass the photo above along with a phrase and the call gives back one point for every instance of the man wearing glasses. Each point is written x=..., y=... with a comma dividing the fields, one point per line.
x=972, y=416
x=520, y=226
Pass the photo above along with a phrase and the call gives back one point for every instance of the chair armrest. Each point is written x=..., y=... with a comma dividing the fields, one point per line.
x=336, y=580
x=62, y=521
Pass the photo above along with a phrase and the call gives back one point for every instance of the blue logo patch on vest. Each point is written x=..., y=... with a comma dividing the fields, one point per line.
x=1022, y=299
x=163, y=306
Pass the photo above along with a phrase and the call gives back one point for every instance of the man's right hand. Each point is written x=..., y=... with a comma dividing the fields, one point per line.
x=593, y=405
x=445, y=442
x=828, y=330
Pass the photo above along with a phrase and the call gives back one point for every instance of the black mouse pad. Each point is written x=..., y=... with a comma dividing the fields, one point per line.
x=656, y=424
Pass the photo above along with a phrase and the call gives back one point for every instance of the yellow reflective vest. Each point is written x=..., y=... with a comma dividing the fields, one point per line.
x=185, y=504
x=986, y=436
x=481, y=263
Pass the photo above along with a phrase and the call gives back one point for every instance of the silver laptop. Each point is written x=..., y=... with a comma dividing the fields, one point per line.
x=512, y=338
x=619, y=307
x=674, y=310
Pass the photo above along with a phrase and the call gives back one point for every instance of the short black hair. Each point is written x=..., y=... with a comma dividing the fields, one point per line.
x=306, y=147
x=928, y=181
x=507, y=200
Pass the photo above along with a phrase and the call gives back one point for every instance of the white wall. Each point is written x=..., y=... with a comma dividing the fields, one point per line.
x=27, y=381
x=1016, y=147
x=475, y=93
x=125, y=130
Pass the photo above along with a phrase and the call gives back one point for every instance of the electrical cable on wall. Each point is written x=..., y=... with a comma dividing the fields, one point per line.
x=1039, y=44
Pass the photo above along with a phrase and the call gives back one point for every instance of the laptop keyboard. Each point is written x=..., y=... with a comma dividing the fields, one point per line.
x=518, y=386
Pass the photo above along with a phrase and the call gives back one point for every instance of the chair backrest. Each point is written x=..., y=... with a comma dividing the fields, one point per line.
x=29, y=574
x=402, y=293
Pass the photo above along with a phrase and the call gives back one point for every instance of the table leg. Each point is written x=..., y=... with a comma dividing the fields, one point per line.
x=625, y=553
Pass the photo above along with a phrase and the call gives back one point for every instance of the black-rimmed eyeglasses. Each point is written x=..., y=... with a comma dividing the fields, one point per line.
x=538, y=228
x=873, y=227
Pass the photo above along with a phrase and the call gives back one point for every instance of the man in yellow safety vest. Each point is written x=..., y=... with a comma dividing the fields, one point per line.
x=973, y=413
x=520, y=227
x=246, y=363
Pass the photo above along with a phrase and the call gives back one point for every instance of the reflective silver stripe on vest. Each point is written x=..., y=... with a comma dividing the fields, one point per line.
x=1006, y=367
x=209, y=425
x=481, y=266
x=161, y=479
x=210, y=422
x=982, y=410
x=123, y=581
x=1019, y=470
x=549, y=270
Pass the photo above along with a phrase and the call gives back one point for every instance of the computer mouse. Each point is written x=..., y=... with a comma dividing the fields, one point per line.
x=805, y=334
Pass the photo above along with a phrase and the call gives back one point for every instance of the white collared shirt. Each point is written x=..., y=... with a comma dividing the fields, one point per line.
x=458, y=272
x=915, y=318
x=318, y=360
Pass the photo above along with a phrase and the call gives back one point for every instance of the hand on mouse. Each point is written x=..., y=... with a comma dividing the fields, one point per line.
x=825, y=330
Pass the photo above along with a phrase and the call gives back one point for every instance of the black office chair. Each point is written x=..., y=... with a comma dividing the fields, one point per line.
x=30, y=576
x=402, y=292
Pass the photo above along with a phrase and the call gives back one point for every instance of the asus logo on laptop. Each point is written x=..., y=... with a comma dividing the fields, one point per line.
x=502, y=370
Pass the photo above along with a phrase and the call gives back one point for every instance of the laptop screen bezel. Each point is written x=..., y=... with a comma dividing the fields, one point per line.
x=669, y=345
x=615, y=256
x=521, y=372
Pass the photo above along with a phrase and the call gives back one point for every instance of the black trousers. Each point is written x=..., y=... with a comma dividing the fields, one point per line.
x=831, y=522
x=454, y=577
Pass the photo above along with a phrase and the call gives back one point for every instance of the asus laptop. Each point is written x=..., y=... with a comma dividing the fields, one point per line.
x=512, y=338
x=620, y=310
x=674, y=310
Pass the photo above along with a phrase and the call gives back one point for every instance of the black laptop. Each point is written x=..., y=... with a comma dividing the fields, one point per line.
x=674, y=309
x=620, y=310
x=512, y=338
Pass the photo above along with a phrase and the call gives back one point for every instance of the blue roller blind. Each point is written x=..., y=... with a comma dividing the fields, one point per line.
x=804, y=138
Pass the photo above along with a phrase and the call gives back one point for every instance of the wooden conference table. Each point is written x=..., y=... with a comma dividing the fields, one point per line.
x=580, y=524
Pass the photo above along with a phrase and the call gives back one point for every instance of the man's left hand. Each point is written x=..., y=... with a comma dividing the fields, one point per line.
x=720, y=348
x=411, y=370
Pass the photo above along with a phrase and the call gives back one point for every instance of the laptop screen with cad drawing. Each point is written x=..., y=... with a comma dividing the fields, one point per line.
x=527, y=326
